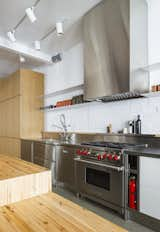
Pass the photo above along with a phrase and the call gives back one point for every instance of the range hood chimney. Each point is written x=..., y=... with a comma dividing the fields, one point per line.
x=107, y=52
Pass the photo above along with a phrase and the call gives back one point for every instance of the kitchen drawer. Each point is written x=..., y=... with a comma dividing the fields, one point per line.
x=43, y=162
x=39, y=147
x=44, y=151
x=46, y=155
x=27, y=150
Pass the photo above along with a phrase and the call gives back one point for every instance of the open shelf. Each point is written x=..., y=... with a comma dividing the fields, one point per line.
x=151, y=68
x=151, y=94
x=72, y=106
x=63, y=91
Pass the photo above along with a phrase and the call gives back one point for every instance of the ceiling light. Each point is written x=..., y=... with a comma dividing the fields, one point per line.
x=59, y=28
x=22, y=59
x=11, y=35
x=31, y=15
x=37, y=45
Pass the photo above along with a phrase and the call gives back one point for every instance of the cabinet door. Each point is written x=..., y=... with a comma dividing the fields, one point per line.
x=150, y=186
x=42, y=154
x=65, y=166
x=9, y=118
x=10, y=146
x=10, y=86
x=32, y=86
x=27, y=150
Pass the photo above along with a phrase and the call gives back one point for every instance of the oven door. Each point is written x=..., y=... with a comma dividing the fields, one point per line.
x=99, y=181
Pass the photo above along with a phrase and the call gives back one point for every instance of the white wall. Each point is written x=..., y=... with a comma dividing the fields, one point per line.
x=94, y=117
x=149, y=189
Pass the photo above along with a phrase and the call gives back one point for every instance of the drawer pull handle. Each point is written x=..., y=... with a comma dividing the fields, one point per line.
x=65, y=152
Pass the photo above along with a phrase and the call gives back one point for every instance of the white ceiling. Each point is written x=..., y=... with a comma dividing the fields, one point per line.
x=47, y=12
x=10, y=62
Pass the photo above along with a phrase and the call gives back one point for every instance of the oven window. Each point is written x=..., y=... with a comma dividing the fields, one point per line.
x=98, y=178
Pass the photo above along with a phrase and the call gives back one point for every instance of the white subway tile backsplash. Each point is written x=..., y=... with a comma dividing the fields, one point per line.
x=94, y=117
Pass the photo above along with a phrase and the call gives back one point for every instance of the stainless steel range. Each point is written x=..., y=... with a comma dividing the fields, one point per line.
x=100, y=173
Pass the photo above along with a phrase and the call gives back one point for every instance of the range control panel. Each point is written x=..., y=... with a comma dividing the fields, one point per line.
x=114, y=156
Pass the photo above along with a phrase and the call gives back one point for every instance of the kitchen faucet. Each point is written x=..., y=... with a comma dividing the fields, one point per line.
x=64, y=136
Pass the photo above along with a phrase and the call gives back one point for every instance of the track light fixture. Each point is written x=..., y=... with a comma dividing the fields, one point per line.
x=31, y=15
x=37, y=45
x=11, y=35
x=22, y=59
x=58, y=28
x=30, y=12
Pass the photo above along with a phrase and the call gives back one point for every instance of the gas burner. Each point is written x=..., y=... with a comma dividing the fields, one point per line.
x=109, y=144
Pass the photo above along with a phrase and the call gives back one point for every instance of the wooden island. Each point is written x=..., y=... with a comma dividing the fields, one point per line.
x=21, y=180
x=28, y=205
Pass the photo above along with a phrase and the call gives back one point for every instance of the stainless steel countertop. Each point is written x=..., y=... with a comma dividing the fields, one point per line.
x=147, y=152
x=54, y=142
x=139, y=151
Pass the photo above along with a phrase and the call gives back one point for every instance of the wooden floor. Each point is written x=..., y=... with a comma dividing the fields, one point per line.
x=51, y=213
x=21, y=180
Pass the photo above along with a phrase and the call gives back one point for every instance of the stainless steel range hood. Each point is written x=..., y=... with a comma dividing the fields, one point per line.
x=107, y=52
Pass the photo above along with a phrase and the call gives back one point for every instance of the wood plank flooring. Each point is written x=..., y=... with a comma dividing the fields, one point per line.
x=52, y=213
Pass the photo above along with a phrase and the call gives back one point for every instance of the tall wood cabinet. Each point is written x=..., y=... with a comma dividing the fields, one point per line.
x=20, y=116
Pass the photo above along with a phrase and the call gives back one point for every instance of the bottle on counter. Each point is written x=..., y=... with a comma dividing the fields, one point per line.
x=133, y=127
x=125, y=130
x=138, y=125
x=130, y=131
x=109, y=128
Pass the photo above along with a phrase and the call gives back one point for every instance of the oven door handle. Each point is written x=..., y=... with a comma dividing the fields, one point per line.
x=115, y=168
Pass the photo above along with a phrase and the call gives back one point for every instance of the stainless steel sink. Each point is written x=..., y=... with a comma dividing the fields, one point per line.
x=52, y=141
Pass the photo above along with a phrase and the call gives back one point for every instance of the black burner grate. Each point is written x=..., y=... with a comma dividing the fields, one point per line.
x=109, y=144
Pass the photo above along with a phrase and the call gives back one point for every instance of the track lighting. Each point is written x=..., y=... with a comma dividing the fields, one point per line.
x=37, y=45
x=11, y=35
x=59, y=28
x=31, y=15
x=22, y=59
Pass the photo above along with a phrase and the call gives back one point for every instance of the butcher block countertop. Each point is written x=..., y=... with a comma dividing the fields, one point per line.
x=21, y=180
x=13, y=167
x=51, y=213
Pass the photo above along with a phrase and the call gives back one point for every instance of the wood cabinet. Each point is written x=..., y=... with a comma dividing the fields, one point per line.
x=10, y=86
x=10, y=146
x=10, y=117
x=20, y=116
x=31, y=118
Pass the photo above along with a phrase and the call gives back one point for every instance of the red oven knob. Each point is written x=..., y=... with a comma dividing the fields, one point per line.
x=110, y=157
x=104, y=156
x=78, y=152
x=99, y=157
x=116, y=157
x=81, y=152
x=84, y=152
